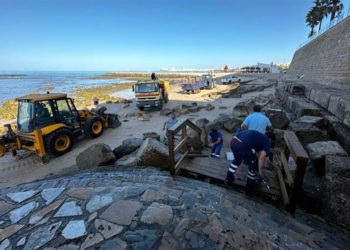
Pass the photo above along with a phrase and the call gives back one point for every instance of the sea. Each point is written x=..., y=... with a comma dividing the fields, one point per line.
x=17, y=83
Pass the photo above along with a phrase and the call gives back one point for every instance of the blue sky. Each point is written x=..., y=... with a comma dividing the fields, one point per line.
x=148, y=35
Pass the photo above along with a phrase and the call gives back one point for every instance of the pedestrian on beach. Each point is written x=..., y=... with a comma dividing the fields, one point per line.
x=170, y=122
x=216, y=142
x=257, y=121
x=251, y=147
x=95, y=101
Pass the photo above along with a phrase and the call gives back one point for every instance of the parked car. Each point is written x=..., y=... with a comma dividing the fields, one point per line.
x=230, y=79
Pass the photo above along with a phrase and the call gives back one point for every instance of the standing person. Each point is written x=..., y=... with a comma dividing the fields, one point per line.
x=216, y=142
x=252, y=147
x=257, y=121
x=170, y=122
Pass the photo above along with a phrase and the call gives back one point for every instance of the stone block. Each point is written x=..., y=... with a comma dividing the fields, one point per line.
x=301, y=107
x=306, y=132
x=296, y=89
x=96, y=155
x=278, y=118
x=321, y=97
x=341, y=133
x=335, y=190
x=317, y=121
x=340, y=107
x=318, y=151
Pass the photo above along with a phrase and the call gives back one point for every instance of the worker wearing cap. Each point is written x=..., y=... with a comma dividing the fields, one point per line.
x=257, y=121
x=252, y=147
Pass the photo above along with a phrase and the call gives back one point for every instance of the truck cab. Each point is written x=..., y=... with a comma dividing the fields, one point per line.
x=151, y=93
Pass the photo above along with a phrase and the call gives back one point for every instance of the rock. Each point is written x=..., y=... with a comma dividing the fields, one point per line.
x=35, y=218
x=96, y=155
x=278, y=118
x=9, y=231
x=339, y=132
x=67, y=247
x=209, y=107
x=162, y=194
x=335, y=190
x=107, y=229
x=21, y=212
x=302, y=107
x=128, y=146
x=189, y=198
x=69, y=209
x=5, y=207
x=202, y=122
x=157, y=213
x=125, y=106
x=129, y=160
x=142, y=239
x=50, y=194
x=317, y=121
x=213, y=125
x=92, y=217
x=153, y=153
x=91, y=239
x=168, y=242
x=41, y=236
x=241, y=110
x=122, y=212
x=21, y=196
x=21, y=242
x=318, y=151
x=80, y=193
x=5, y=245
x=74, y=229
x=232, y=124
x=165, y=112
x=116, y=244
x=296, y=89
x=97, y=202
x=152, y=135
x=194, y=109
x=306, y=132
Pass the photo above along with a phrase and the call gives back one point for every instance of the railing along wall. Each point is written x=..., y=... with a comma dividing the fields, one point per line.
x=181, y=147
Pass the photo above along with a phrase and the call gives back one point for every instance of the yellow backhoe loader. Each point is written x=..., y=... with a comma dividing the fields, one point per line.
x=49, y=123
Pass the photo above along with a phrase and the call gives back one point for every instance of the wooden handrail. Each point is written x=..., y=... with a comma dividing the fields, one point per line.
x=173, y=150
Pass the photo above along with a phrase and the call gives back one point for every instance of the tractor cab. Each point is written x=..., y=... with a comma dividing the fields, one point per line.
x=38, y=111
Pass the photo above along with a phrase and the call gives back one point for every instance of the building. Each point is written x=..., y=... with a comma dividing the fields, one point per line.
x=262, y=68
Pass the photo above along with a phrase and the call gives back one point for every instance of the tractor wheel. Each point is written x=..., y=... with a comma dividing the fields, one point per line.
x=93, y=127
x=59, y=142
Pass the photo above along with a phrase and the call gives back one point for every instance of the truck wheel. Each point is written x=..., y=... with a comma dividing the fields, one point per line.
x=93, y=127
x=59, y=142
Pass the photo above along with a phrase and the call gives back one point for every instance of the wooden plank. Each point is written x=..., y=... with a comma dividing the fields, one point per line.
x=171, y=152
x=285, y=197
x=285, y=166
x=177, y=165
x=296, y=149
x=181, y=144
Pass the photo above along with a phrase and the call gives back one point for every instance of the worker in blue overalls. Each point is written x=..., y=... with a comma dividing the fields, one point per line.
x=252, y=147
x=216, y=142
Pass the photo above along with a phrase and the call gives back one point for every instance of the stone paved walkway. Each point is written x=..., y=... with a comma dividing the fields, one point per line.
x=146, y=208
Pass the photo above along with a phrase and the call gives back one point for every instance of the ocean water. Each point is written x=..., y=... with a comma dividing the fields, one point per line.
x=15, y=83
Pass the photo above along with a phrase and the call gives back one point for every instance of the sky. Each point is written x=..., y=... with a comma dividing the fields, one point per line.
x=149, y=34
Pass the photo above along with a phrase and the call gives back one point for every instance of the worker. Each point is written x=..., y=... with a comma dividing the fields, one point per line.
x=216, y=142
x=95, y=101
x=257, y=121
x=170, y=122
x=252, y=147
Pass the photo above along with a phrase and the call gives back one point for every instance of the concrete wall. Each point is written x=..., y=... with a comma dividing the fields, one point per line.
x=326, y=59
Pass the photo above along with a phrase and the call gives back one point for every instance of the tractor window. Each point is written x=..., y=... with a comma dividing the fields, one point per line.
x=43, y=114
x=65, y=113
x=25, y=114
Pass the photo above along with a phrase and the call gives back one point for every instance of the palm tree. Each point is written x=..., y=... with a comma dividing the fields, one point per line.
x=334, y=8
x=312, y=21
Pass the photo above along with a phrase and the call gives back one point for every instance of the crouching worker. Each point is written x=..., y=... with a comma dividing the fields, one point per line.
x=216, y=142
x=252, y=147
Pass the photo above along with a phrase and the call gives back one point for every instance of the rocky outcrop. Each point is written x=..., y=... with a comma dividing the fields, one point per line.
x=96, y=155
x=128, y=146
x=319, y=150
x=335, y=190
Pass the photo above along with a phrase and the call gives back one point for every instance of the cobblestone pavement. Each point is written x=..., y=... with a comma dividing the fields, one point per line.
x=146, y=208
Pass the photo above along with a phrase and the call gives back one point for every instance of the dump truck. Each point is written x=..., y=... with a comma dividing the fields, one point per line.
x=48, y=124
x=151, y=93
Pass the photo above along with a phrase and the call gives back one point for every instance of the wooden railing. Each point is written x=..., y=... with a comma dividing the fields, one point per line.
x=291, y=186
x=181, y=147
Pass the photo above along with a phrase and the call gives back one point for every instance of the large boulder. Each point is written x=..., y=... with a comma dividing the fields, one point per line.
x=242, y=109
x=278, y=118
x=153, y=153
x=153, y=135
x=231, y=125
x=202, y=122
x=306, y=132
x=335, y=190
x=341, y=133
x=96, y=155
x=317, y=121
x=128, y=146
x=318, y=151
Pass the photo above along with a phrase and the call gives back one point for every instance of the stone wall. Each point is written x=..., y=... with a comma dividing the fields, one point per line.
x=326, y=59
